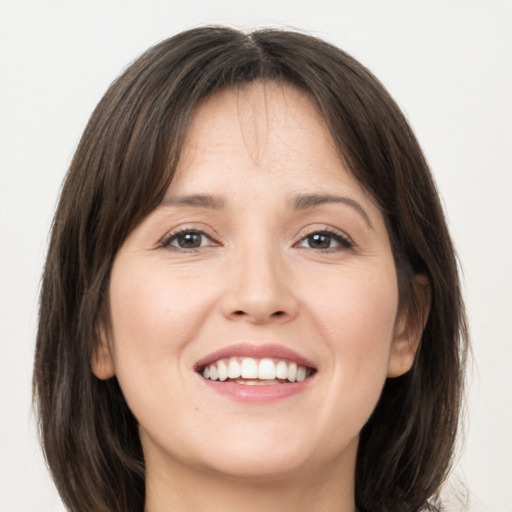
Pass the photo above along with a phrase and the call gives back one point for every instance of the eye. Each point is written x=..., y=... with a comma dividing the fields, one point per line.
x=188, y=239
x=325, y=240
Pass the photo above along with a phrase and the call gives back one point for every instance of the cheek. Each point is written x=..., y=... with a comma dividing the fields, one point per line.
x=357, y=317
x=155, y=315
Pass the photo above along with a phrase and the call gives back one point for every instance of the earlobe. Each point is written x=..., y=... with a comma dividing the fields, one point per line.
x=402, y=357
x=102, y=362
x=409, y=329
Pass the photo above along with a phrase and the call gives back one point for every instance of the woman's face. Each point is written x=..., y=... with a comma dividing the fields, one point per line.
x=266, y=258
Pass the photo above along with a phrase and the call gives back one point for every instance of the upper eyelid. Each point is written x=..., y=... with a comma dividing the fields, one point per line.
x=169, y=236
x=325, y=229
x=344, y=243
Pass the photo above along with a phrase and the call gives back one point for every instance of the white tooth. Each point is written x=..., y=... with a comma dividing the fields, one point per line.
x=247, y=382
x=214, y=373
x=292, y=372
x=223, y=370
x=249, y=368
x=233, y=369
x=206, y=372
x=266, y=369
x=282, y=370
x=257, y=382
x=301, y=373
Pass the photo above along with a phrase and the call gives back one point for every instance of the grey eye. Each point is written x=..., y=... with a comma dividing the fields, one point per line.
x=319, y=241
x=323, y=240
x=189, y=240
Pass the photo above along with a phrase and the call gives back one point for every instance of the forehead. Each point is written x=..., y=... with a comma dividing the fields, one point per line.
x=261, y=128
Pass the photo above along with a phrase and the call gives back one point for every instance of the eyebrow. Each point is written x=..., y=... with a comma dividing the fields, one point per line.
x=197, y=200
x=298, y=202
x=308, y=201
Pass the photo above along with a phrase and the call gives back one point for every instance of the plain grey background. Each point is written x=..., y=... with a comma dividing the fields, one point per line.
x=449, y=65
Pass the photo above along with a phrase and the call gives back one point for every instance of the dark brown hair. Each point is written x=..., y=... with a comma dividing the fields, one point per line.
x=121, y=169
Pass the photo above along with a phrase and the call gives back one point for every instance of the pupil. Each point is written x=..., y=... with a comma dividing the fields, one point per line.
x=189, y=240
x=320, y=241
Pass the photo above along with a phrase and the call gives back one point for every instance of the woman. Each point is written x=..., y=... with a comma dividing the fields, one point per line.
x=251, y=297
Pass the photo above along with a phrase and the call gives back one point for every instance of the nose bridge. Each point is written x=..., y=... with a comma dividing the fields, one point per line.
x=260, y=290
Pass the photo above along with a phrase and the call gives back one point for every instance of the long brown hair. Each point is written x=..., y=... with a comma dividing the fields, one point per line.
x=121, y=169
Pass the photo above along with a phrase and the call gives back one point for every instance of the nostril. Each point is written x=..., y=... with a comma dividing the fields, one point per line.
x=274, y=314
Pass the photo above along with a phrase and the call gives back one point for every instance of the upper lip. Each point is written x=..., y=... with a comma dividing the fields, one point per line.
x=257, y=352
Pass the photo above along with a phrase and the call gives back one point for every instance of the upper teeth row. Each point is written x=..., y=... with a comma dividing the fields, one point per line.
x=249, y=368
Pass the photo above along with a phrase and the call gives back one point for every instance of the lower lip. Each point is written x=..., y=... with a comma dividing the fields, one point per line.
x=257, y=393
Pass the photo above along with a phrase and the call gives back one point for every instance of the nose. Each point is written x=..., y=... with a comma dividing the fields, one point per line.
x=260, y=289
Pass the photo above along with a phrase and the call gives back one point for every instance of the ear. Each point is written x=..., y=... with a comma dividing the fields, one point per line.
x=409, y=328
x=102, y=362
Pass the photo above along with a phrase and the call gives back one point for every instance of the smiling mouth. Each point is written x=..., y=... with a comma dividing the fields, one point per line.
x=255, y=372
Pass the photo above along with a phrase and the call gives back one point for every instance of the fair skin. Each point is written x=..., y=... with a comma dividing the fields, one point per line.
x=281, y=255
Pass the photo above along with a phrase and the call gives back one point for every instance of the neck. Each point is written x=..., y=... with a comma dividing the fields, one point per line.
x=328, y=489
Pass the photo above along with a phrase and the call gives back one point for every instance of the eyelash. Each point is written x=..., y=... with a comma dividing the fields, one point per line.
x=342, y=240
x=344, y=243
x=171, y=237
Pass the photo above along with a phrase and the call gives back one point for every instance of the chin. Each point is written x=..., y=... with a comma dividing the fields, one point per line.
x=268, y=457
x=262, y=467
